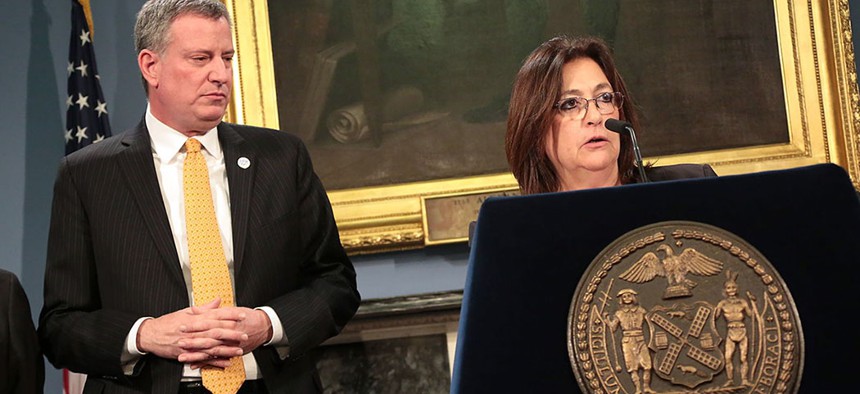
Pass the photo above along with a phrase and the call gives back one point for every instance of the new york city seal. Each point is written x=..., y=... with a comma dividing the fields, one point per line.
x=684, y=307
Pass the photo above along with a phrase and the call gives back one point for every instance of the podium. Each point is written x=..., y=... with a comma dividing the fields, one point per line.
x=530, y=252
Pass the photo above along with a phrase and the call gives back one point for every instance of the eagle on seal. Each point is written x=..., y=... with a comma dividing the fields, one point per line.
x=674, y=268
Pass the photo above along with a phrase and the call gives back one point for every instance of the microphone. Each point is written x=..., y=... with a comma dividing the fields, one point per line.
x=619, y=127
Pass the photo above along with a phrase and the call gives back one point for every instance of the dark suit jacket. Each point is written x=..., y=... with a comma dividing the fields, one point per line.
x=22, y=369
x=112, y=259
x=679, y=171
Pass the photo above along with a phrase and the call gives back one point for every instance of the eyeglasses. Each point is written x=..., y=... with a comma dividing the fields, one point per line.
x=575, y=108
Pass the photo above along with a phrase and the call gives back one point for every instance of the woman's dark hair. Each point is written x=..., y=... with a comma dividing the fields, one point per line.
x=537, y=88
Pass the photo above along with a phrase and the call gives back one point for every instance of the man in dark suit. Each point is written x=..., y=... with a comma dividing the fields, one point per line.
x=22, y=370
x=120, y=300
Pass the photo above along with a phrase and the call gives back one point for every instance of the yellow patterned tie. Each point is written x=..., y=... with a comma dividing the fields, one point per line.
x=209, y=275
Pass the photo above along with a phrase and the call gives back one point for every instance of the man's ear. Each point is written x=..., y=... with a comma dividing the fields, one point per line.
x=150, y=66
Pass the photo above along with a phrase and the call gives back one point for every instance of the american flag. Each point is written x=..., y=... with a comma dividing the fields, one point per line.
x=86, y=112
x=86, y=109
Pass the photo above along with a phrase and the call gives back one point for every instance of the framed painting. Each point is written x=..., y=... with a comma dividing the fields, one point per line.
x=403, y=103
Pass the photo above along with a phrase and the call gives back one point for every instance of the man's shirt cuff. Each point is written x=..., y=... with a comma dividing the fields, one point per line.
x=131, y=353
x=279, y=340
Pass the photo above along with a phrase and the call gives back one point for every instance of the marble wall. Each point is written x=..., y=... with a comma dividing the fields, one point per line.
x=398, y=365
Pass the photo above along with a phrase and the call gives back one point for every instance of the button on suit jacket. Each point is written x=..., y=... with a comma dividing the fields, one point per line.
x=112, y=258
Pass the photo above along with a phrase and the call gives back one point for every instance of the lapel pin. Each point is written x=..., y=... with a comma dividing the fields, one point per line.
x=244, y=163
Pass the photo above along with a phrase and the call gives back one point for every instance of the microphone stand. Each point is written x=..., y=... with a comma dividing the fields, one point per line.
x=618, y=126
x=637, y=154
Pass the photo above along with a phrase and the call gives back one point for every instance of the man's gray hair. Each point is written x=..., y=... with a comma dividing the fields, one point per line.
x=155, y=17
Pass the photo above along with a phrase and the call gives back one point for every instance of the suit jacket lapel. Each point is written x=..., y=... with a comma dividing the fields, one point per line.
x=136, y=162
x=240, y=182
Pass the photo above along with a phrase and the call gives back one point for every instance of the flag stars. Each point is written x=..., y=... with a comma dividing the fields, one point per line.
x=101, y=108
x=85, y=37
x=81, y=134
x=82, y=102
x=82, y=68
x=86, y=108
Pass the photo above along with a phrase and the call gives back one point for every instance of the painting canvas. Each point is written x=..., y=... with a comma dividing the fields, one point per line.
x=393, y=91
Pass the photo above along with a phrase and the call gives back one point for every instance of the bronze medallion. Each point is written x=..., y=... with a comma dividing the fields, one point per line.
x=683, y=307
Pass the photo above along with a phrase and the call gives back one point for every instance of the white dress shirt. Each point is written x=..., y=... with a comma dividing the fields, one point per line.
x=168, y=154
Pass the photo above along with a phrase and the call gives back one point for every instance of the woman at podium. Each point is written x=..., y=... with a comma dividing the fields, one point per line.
x=557, y=139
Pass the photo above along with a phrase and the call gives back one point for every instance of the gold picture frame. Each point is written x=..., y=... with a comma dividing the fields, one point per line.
x=822, y=106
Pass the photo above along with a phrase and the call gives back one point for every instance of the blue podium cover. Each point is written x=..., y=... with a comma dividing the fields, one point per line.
x=529, y=253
